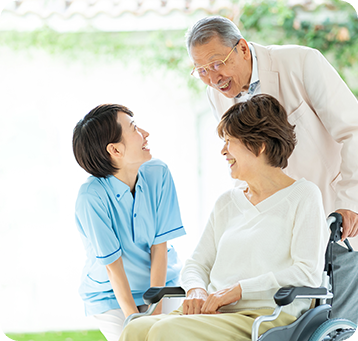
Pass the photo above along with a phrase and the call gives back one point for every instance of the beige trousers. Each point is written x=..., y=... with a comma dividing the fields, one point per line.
x=111, y=322
x=219, y=327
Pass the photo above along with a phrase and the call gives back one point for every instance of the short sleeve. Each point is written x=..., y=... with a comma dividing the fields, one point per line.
x=169, y=224
x=94, y=222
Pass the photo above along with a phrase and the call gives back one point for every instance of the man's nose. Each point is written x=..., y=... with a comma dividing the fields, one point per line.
x=214, y=77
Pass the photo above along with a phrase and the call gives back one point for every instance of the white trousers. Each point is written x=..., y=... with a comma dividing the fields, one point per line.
x=111, y=322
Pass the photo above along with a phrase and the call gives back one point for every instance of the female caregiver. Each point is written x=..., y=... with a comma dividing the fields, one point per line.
x=125, y=212
x=266, y=235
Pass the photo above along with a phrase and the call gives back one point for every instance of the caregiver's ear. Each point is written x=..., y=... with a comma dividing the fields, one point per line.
x=115, y=149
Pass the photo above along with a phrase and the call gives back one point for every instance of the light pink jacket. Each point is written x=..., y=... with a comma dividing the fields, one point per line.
x=325, y=113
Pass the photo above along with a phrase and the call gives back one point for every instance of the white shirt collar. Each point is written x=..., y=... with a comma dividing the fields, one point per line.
x=255, y=71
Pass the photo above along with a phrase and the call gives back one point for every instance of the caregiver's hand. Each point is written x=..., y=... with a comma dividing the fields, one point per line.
x=220, y=298
x=194, y=300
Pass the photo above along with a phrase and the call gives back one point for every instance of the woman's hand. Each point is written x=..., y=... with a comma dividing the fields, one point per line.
x=221, y=298
x=194, y=301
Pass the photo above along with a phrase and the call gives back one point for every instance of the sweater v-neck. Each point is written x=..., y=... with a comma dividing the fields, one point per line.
x=250, y=210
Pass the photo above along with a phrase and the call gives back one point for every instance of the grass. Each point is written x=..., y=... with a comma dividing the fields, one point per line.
x=85, y=335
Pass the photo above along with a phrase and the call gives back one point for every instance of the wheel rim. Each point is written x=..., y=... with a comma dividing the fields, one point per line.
x=330, y=326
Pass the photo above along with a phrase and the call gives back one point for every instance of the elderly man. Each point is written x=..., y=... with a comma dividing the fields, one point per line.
x=317, y=101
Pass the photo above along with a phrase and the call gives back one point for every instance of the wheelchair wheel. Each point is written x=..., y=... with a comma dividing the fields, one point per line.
x=334, y=330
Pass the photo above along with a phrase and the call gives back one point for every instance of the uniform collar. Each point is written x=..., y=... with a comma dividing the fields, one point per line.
x=119, y=188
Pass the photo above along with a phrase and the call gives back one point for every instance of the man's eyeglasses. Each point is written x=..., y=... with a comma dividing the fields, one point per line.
x=217, y=65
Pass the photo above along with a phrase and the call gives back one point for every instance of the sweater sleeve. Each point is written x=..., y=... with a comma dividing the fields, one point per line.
x=196, y=272
x=308, y=243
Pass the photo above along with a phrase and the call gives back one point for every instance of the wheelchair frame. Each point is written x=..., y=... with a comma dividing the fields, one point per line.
x=314, y=325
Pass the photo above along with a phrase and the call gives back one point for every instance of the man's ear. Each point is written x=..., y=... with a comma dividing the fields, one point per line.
x=243, y=47
x=115, y=150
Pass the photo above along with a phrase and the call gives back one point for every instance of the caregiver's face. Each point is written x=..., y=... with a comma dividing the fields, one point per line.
x=134, y=139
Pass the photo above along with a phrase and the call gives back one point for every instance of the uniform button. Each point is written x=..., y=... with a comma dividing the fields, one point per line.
x=135, y=214
x=118, y=195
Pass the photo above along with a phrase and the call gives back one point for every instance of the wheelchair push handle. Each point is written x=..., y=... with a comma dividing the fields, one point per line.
x=335, y=221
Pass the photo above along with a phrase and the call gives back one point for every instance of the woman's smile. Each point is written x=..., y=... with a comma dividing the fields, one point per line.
x=145, y=146
x=231, y=162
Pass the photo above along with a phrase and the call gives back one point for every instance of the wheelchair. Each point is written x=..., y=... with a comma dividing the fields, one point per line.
x=315, y=324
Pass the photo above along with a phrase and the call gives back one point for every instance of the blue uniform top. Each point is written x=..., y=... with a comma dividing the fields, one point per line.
x=113, y=224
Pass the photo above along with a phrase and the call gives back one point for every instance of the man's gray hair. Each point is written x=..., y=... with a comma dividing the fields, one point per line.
x=209, y=27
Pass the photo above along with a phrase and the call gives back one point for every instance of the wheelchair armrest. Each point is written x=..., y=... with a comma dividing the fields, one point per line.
x=152, y=297
x=155, y=294
x=286, y=295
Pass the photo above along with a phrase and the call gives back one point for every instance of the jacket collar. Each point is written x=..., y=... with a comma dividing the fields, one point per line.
x=268, y=79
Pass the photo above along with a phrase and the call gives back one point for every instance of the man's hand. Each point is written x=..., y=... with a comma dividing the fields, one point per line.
x=194, y=301
x=350, y=223
x=221, y=298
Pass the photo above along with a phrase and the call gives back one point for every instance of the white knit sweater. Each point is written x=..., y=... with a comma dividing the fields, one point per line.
x=279, y=242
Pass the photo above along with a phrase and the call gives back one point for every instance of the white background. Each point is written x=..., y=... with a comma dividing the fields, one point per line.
x=42, y=98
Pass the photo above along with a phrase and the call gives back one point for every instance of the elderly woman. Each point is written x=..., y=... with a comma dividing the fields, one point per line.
x=266, y=235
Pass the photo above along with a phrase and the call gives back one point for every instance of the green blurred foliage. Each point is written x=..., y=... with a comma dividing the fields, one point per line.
x=92, y=335
x=265, y=22
x=336, y=36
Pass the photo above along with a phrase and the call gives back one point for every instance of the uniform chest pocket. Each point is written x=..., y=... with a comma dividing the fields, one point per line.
x=143, y=230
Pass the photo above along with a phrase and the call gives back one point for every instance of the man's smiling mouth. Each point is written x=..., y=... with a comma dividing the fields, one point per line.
x=224, y=86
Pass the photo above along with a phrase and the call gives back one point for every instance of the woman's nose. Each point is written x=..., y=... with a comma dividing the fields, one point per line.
x=224, y=150
x=144, y=132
